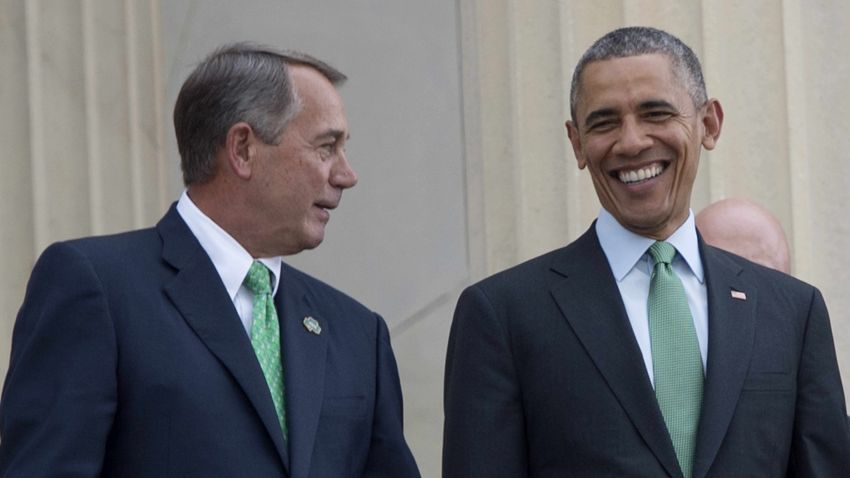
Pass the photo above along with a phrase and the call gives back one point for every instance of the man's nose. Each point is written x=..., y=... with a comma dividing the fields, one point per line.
x=632, y=139
x=342, y=174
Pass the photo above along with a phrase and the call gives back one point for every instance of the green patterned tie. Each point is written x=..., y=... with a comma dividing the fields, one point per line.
x=675, y=355
x=265, y=335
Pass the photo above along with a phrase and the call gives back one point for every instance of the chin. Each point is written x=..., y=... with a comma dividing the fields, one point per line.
x=313, y=241
x=299, y=244
x=312, y=245
x=657, y=229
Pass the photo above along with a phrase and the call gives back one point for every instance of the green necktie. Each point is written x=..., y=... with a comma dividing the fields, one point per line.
x=265, y=335
x=676, y=358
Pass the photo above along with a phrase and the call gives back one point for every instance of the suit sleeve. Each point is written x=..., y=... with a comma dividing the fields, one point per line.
x=59, y=397
x=821, y=441
x=389, y=455
x=484, y=424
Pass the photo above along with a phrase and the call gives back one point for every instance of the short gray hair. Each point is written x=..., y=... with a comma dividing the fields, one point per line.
x=633, y=41
x=237, y=82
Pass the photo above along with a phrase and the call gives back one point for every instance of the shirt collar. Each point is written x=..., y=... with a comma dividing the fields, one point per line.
x=624, y=248
x=230, y=259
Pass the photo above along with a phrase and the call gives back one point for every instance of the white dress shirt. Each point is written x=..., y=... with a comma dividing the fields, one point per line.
x=230, y=259
x=632, y=267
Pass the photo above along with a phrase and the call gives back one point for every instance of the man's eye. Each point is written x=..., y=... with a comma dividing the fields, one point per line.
x=602, y=125
x=658, y=115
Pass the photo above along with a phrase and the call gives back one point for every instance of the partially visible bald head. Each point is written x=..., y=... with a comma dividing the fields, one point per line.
x=744, y=228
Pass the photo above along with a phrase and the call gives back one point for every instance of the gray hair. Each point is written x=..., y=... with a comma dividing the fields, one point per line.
x=633, y=41
x=237, y=82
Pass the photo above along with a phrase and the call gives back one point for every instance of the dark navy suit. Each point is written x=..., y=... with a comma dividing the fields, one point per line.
x=544, y=377
x=129, y=359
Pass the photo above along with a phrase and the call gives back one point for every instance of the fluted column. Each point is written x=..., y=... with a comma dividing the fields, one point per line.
x=79, y=84
x=516, y=143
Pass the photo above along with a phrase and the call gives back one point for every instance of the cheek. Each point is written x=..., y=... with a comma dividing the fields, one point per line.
x=596, y=148
x=686, y=135
x=690, y=154
x=320, y=173
x=594, y=159
x=302, y=175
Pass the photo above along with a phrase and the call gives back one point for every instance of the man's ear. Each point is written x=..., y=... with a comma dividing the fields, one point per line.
x=575, y=140
x=712, y=121
x=241, y=149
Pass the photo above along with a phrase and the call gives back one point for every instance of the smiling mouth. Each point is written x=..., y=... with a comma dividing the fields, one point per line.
x=640, y=175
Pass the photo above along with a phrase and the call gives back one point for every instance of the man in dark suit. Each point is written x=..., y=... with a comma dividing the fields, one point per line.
x=749, y=230
x=190, y=349
x=638, y=350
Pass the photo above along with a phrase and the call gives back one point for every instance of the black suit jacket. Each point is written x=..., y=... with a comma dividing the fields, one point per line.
x=544, y=377
x=129, y=359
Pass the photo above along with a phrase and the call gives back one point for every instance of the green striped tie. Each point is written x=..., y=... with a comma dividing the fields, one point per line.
x=265, y=335
x=676, y=358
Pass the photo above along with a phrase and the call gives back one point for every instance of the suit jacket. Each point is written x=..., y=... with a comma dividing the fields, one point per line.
x=544, y=377
x=129, y=359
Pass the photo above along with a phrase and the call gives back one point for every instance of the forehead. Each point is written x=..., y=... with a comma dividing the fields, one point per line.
x=610, y=83
x=322, y=113
x=316, y=92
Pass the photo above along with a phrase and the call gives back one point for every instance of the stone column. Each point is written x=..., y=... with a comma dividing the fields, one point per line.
x=80, y=124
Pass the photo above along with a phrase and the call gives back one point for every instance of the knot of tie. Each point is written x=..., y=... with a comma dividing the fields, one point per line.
x=258, y=279
x=662, y=252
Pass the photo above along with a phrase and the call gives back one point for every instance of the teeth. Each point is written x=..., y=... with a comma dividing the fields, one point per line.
x=641, y=174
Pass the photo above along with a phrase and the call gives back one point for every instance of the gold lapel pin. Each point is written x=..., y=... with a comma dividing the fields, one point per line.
x=312, y=325
x=739, y=295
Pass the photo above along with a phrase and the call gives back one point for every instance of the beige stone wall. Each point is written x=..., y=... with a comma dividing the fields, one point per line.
x=80, y=129
x=467, y=107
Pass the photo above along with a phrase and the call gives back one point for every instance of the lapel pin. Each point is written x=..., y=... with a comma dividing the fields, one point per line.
x=312, y=325
x=739, y=295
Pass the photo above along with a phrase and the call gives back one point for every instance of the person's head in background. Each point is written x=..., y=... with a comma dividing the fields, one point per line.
x=747, y=229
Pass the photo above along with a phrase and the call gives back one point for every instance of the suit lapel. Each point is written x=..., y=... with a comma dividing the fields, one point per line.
x=731, y=331
x=304, y=357
x=602, y=326
x=200, y=297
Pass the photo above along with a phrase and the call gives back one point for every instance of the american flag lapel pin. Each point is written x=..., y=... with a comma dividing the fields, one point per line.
x=736, y=294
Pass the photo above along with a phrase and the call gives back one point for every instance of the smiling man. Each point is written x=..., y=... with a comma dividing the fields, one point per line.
x=638, y=350
x=191, y=349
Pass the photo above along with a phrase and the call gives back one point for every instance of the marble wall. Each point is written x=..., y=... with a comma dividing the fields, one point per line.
x=456, y=109
x=80, y=124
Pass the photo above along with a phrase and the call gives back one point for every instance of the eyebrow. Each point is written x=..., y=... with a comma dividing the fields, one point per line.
x=337, y=134
x=653, y=104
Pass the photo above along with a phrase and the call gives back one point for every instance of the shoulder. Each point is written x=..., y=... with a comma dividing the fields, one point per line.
x=763, y=274
x=352, y=325
x=100, y=248
x=769, y=282
x=524, y=274
x=323, y=294
x=77, y=269
x=520, y=291
x=581, y=257
x=119, y=251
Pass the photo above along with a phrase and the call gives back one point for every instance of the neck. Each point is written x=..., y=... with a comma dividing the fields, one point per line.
x=227, y=214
